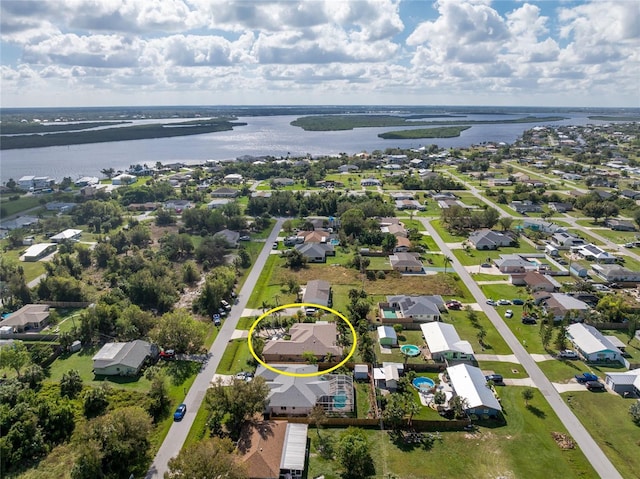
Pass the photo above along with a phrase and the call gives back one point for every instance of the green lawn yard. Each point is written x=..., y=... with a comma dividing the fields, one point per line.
x=523, y=448
x=493, y=342
x=607, y=419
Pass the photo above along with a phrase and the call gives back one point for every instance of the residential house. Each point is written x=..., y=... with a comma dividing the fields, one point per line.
x=401, y=195
x=564, y=240
x=410, y=205
x=273, y=449
x=387, y=336
x=411, y=309
x=225, y=192
x=591, y=344
x=123, y=359
x=560, y=207
x=60, y=206
x=571, y=176
x=317, y=291
x=233, y=178
x=320, y=338
x=487, y=239
x=297, y=396
x=613, y=273
x=405, y=263
x=283, y=181
x=370, y=182
x=403, y=245
x=86, y=181
x=31, y=182
x=231, y=237
x=316, y=252
x=525, y=206
x=316, y=236
x=396, y=230
x=535, y=281
x=542, y=226
x=560, y=305
x=177, y=205
x=469, y=383
x=592, y=252
x=499, y=182
x=31, y=317
x=625, y=384
x=218, y=203
x=631, y=194
x=123, y=179
x=514, y=263
x=347, y=168
x=444, y=343
x=387, y=376
x=66, y=235
x=619, y=225
x=38, y=251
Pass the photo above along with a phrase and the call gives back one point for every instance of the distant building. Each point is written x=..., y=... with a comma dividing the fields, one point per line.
x=123, y=179
x=123, y=359
x=67, y=235
x=31, y=317
x=38, y=251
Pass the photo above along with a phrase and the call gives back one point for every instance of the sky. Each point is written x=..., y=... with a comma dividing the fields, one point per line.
x=319, y=52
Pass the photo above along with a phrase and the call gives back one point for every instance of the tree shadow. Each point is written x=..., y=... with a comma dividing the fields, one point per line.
x=180, y=371
x=539, y=413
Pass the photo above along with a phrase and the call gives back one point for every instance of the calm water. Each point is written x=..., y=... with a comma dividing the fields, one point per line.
x=267, y=135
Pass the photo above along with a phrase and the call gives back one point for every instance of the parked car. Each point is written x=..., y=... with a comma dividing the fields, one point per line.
x=563, y=262
x=180, y=412
x=274, y=245
x=586, y=377
x=496, y=378
x=629, y=245
x=245, y=238
x=217, y=319
x=225, y=305
x=491, y=302
x=528, y=320
x=244, y=376
x=508, y=314
x=595, y=386
x=517, y=302
x=568, y=354
x=168, y=354
x=504, y=302
x=454, y=305
x=486, y=265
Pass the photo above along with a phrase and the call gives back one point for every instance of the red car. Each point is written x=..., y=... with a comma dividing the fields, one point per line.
x=454, y=305
x=168, y=354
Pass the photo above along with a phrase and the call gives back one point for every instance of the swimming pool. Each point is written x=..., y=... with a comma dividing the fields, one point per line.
x=410, y=350
x=340, y=400
x=423, y=384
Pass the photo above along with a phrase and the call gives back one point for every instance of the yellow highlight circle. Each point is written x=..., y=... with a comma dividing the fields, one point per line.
x=302, y=305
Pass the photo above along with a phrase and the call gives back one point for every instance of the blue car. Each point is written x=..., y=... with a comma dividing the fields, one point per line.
x=180, y=412
x=586, y=377
x=517, y=302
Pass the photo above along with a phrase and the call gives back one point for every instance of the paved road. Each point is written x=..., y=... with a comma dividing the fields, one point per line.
x=179, y=430
x=589, y=447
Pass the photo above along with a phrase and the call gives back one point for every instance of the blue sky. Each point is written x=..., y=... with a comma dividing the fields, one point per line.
x=261, y=52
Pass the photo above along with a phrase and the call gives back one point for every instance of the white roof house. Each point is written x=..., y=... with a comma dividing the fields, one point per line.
x=294, y=451
x=37, y=251
x=469, y=383
x=443, y=341
x=68, y=234
x=387, y=335
x=592, y=344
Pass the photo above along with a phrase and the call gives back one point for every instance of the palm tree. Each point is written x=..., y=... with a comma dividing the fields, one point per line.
x=447, y=261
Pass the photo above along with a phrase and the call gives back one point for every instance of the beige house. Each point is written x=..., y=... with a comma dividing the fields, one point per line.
x=30, y=317
x=319, y=338
x=405, y=263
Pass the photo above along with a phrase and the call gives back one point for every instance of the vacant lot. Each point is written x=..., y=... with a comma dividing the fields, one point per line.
x=607, y=419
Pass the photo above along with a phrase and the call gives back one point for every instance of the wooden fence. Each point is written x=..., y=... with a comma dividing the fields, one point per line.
x=66, y=304
x=417, y=424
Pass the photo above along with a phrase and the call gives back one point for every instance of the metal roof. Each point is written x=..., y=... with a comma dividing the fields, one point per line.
x=295, y=447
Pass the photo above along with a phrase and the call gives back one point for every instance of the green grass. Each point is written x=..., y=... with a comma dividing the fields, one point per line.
x=505, y=369
x=12, y=207
x=245, y=322
x=362, y=399
x=620, y=237
x=607, y=419
x=562, y=370
x=490, y=277
x=198, y=429
x=503, y=291
x=475, y=257
x=445, y=235
x=585, y=236
x=236, y=358
x=494, y=343
x=31, y=269
x=523, y=448
x=259, y=293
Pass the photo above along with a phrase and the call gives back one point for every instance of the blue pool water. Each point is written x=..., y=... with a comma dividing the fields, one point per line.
x=423, y=384
x=410, y=350
x=340, y=401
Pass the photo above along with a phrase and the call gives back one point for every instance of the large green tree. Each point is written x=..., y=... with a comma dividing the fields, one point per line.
x=236, y=403
x=206, y=459
x=354, y=455
x=178, y=330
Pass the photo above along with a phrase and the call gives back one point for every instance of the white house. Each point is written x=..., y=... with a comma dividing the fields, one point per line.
x=387, y=336
x=469, y=383
x=444, y=343
x=591, y=344
x=624, y=383
x=66, y=235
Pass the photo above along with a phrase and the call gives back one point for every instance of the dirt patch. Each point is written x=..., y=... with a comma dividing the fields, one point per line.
x=190, y=294
x=158, y=232
x=564, y=441
x=392, y=284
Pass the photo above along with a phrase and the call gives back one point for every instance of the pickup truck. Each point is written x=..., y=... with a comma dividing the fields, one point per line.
x=586, y=377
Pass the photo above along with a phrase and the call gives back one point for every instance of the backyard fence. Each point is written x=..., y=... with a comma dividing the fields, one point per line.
x=66, y=304
x=417, y=424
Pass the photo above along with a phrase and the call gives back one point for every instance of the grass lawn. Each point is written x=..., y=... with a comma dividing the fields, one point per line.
x=12, y=207
x=363, y=405
x=620, y=237
x=236, y=358
x=379, y=263
x=562, y=370
x=490, y=277
x=524, y=448
x=585, y=236
x=493, y=342
x=607, y=419
x=445, y=235
x=507, y=370
x=32, y=269
x=475, y=257
x=504, y=291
